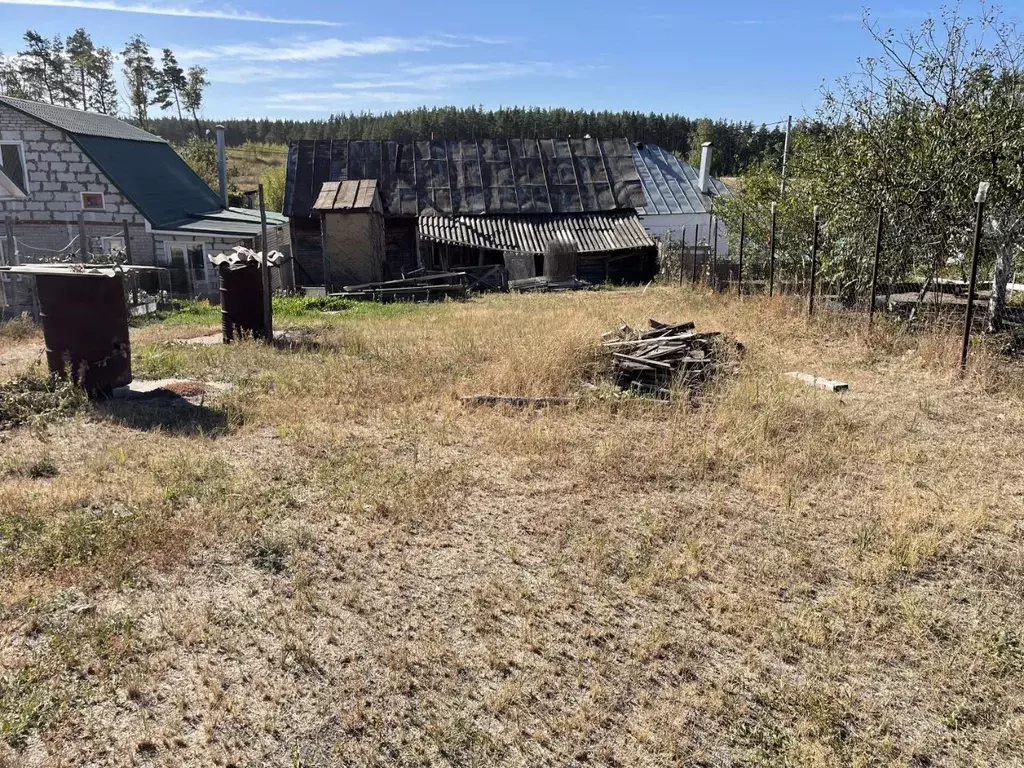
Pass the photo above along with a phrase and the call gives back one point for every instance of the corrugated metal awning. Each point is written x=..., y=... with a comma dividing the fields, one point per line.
x=592, y=232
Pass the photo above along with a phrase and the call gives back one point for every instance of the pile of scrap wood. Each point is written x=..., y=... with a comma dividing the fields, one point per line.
x=427, y=285
x=547, y=285
x=667, y=354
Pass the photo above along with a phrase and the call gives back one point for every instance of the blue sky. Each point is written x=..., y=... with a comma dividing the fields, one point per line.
x=738, y=60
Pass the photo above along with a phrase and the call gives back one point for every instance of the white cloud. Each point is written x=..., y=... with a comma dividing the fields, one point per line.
x=156, y=9
x=315, y=50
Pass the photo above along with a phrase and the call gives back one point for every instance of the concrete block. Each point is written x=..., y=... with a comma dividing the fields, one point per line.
x=71, y=157
x=59, y=167
x=32, y=135
x=76, y=167
x=34, y=206
x=37, y=146
x=50, y=157
x=52, y=135
x=69, y=177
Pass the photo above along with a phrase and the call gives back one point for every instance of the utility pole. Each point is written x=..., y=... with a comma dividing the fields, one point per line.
x=980, y=199
x=785, y=154
x=771, y=253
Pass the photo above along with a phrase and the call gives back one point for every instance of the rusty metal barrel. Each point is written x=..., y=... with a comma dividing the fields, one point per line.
x=241, y=301
x=85, y=328
x=560, y=260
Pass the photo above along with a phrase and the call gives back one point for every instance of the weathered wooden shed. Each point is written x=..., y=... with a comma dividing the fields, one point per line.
x=505, y=180
x=352, y=232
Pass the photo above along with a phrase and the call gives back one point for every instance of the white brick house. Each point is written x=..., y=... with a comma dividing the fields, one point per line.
x=57, y=163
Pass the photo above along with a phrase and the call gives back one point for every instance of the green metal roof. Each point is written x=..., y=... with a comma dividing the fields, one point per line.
x=153, y=177
x=149, y=173
x=232, y=222
x=78, y=122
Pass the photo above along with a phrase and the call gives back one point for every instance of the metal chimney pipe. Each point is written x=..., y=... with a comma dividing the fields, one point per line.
x=222, y=166
x=704, y=180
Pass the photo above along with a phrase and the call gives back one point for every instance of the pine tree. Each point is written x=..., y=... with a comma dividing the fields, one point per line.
x=171, y=81
x=82, y=60
x=37, y=68
x=192, y=94
x=102, y=83
x=140, y=77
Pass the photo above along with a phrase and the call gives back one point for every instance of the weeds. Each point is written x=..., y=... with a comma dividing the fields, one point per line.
x=37, y=400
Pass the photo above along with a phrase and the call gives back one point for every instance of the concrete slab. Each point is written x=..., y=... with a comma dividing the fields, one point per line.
x=171, y=388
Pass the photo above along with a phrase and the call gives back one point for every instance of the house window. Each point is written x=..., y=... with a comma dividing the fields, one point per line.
x=12, y=163
x=93, y=201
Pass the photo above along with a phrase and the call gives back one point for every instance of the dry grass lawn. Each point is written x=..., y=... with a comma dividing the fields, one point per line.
x=340, y=564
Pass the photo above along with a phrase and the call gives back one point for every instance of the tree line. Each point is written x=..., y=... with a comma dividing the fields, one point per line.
x=75, y=72
x=738, y=145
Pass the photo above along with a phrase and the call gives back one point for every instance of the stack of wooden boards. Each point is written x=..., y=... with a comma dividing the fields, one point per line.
x=666, y=355
x=548, y=285
x=425, y=285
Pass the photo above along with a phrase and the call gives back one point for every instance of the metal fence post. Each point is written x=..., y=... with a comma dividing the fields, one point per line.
x=696, y=240
x=771, y=253
x=814, y=261
x=682, y=254
x=739, y=271
x=874, y=269
x=980, y=199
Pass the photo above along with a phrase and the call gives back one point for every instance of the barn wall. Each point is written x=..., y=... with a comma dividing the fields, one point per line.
x=354, y=248
x=400, y=243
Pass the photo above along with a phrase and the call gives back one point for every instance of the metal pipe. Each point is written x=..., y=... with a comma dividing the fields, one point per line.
x=771, y=253
x=739, y=271
x=814, y=261
x=222, y=166
x=268, y=314
x=980, y=199
x=874, y=269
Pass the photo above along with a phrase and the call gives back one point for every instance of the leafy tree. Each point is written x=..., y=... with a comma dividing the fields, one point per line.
x=201, y=155
x=140, y=77
x=937, y=110
x=170, y=82
x=192, y=94
x=81, y=53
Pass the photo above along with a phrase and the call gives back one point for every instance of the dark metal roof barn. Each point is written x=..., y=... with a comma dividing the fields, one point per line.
x=453, y=177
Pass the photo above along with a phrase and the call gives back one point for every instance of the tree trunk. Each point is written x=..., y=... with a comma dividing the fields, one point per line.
x=1000, y=277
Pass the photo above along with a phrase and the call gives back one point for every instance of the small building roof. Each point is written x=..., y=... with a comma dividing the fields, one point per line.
x=591, y=232
x=353, y=195
x=78, y=122
x=230, y=222
x=670, y=185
